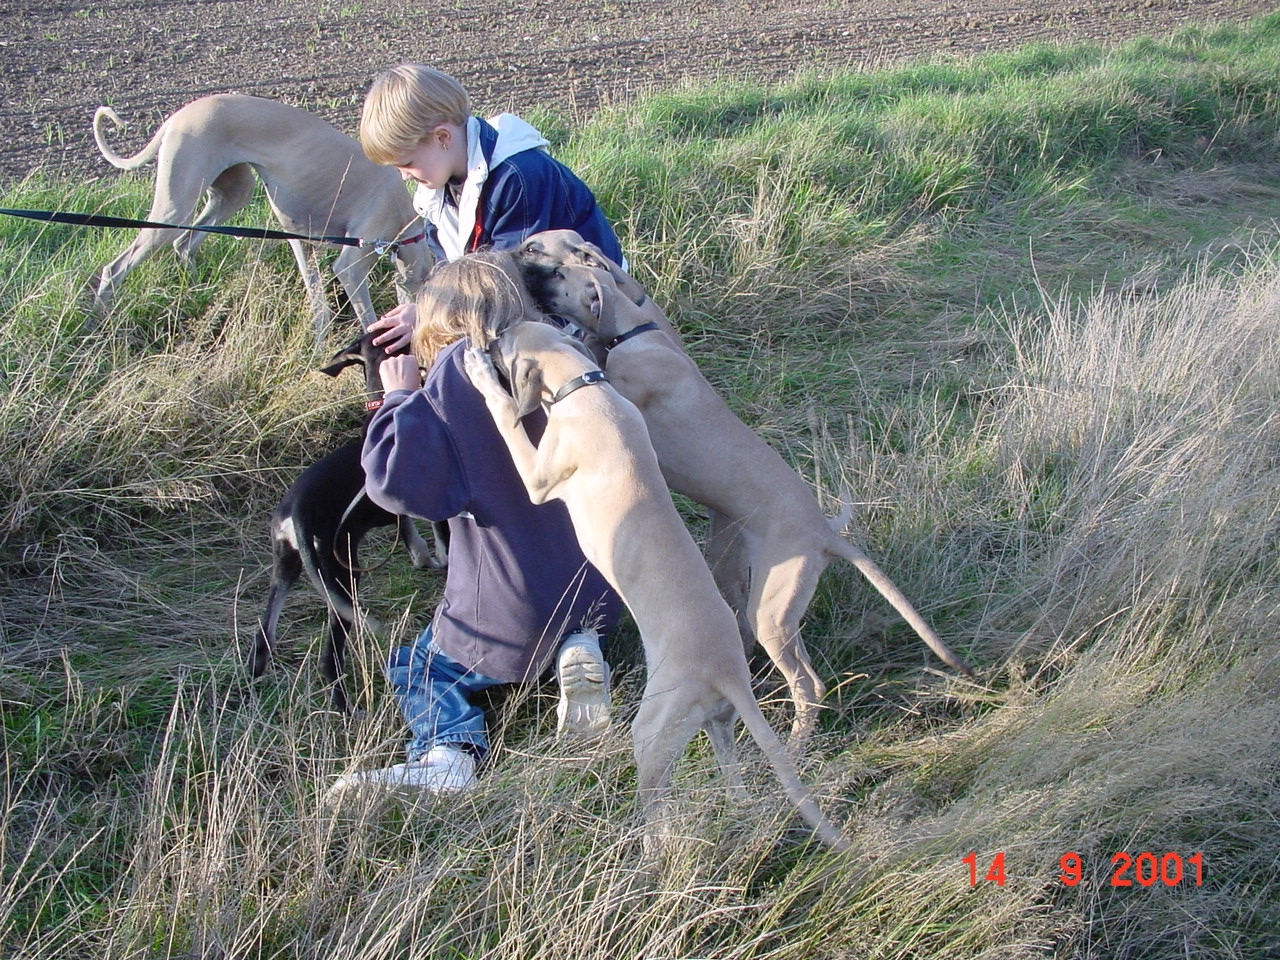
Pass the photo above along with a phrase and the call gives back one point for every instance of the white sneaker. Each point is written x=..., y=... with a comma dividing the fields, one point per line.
x=585, y=703
x=443, y=769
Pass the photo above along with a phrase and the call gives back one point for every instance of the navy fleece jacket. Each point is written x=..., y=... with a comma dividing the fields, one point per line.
x=517, y=580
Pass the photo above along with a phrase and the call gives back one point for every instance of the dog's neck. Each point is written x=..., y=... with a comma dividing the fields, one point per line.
x=616, y=322
x=586, y=379
x=633, y=332
x=565, y=373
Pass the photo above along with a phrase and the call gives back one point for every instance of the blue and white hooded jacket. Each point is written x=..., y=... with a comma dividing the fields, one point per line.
x=514, y=189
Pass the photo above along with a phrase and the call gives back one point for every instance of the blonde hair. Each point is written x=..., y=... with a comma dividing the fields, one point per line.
x=476, y=296
x=404, y=105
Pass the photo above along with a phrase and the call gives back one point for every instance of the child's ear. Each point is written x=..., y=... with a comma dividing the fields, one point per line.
x=443, y=136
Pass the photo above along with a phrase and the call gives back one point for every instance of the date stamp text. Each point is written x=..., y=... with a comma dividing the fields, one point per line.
x=1126, y=869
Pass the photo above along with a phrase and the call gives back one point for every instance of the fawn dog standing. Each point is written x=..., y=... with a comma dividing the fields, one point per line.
x=770, y=540
x=595, y=455
x=317, y=180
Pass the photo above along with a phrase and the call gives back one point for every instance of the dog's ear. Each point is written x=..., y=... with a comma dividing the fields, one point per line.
x=352, y=353
x=593, y=256
x=606, y=323
x=526, y=385
x=335, y=368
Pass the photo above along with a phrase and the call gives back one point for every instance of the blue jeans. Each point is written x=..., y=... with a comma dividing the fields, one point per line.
x=434, y=692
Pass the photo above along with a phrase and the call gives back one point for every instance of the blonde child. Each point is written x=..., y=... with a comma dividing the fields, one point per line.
x=518, y=594
x=480, y=183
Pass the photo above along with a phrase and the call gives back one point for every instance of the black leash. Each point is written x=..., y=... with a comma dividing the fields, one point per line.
x=347, y=561
x=254, y=233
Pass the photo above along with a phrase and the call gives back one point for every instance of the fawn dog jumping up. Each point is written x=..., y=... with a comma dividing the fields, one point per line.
x=770, y=540
x=595, y=455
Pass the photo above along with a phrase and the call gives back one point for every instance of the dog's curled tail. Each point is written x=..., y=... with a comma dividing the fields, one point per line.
x=840, y=547
x=146, y=155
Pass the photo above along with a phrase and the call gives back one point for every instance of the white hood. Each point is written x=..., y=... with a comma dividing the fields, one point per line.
x=454, y=225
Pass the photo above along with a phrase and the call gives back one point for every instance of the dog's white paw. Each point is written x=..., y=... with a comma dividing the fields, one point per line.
x=480, y=371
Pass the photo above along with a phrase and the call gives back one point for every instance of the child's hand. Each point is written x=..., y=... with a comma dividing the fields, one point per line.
x=397, y=324
x=400, y=372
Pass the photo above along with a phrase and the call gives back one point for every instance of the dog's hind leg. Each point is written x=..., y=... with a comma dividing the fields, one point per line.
x=178, y=190
x=144, y=245
x=286, y=568
x=352, y=269
x=783, y=583
x=660, y=734
x=229, y=193
x=333, y=660
x=719, y=727
x=727, y=556
x=339, y=569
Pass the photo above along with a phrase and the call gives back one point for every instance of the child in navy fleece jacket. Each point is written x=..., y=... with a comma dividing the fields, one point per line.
x=517, y=583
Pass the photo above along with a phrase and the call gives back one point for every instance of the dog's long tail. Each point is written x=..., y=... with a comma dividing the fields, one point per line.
x=749, y=710
x=146, y=155
x=308, y=553
x=840, y=547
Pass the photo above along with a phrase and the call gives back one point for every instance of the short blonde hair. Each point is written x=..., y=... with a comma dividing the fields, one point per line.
x=476, y=296
x=404, y=105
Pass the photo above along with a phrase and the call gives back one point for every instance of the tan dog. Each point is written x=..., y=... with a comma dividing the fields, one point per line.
x=317, y=179
x=595, y=456
x=542, y=253
x=770, y=540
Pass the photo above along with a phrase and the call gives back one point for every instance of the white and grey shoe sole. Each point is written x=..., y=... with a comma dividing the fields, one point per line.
x=585, y=706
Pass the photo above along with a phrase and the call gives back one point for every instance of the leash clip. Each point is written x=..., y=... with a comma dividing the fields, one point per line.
x=381, y=248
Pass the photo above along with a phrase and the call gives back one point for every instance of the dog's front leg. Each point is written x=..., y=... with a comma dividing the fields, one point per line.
x=536, y=465
x=321, y=312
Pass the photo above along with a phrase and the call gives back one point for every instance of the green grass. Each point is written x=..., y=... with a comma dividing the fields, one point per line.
x=1020, y=308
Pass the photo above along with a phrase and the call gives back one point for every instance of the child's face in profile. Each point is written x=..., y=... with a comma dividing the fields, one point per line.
x=439, y=158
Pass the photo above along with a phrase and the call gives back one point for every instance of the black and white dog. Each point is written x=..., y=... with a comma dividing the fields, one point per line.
x=317, y=528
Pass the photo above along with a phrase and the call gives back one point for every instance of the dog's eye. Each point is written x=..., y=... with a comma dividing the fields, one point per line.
x=557, y=273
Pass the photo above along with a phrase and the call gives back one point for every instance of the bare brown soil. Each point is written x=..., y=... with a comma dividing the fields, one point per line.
x=60, y=60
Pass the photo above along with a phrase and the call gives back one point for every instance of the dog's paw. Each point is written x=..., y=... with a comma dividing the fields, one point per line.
x=480, y=370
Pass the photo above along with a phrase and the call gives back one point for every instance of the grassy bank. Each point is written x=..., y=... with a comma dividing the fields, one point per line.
x=1022, y=307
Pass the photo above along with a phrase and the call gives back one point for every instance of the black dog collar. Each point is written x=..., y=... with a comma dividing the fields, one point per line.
x=634, y=331
x=586, y=380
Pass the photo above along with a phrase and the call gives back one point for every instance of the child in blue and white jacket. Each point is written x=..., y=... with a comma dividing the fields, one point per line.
x=481, y=183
